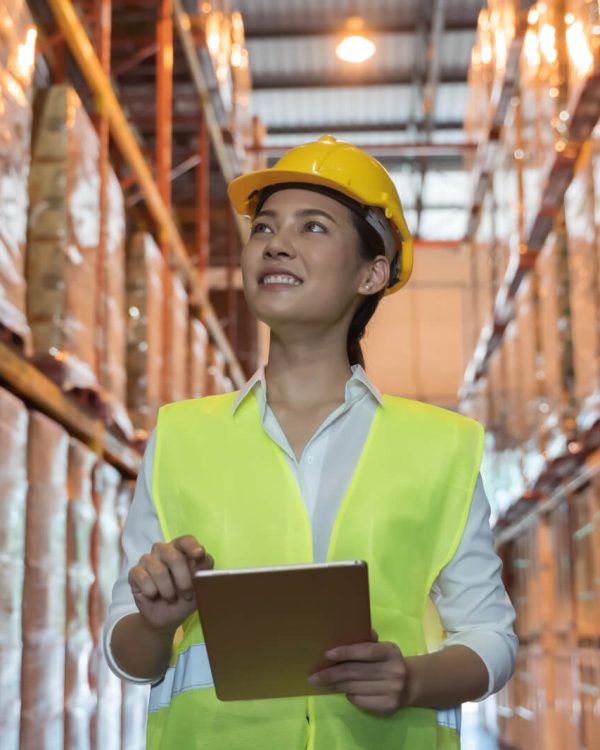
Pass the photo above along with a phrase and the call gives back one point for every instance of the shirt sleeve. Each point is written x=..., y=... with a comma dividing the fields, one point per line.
x=471, y=600
x=141, y=531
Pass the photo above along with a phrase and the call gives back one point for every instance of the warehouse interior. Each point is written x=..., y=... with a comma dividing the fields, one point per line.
x=121, y=124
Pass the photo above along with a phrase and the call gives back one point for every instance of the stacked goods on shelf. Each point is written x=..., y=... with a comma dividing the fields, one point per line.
x=134, y=697
x=113, y=345
x=555, y=346
x=63, y=239
x=13, y=494
x=144, y=331
x=508, y=199
x=585, y=511
x=63, y=257
x=526, y=316
x=80, y=700
x=17, y=49
x=44, y=589
x=106, y=724
x=176, y=366
x=583, y=249
x=588, y=692
x=218, y=382
x=481, y=252
x=198, y=365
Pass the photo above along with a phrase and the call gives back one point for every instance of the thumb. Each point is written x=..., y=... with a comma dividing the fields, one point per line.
x=374, y=635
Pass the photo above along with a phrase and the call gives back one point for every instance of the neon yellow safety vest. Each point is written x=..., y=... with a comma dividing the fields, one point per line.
x=220, y=477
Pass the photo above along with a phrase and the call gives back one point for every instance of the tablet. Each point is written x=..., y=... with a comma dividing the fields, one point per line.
x=267, y=629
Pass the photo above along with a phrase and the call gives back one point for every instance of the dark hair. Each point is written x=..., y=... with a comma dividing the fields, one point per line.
x=370, y=246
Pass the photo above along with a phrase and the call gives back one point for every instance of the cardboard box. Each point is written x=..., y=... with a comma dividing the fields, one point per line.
x=145, y=329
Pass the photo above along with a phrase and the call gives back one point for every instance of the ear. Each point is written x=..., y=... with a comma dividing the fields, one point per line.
x=377, y=276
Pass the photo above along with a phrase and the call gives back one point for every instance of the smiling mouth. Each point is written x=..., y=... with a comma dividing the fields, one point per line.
x=278, y=279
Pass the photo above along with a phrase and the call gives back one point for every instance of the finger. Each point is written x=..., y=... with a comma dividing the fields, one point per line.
x=161, y=576
x=370, y=651
x=374, y=635
x=141, y=583
x=206, y=563
x=360, y=688
x=384, y=705
x=190, y=546
x=348, y=671
x=178, y=566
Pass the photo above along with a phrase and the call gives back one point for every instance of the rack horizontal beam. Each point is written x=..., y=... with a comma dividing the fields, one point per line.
x=38, y=391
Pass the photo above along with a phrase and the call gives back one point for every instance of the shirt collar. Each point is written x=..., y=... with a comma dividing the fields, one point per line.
x=357, y=385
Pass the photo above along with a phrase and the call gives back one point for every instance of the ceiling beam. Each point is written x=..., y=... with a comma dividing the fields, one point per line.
x=355, y=127
x=266, y=31
x=351, y=78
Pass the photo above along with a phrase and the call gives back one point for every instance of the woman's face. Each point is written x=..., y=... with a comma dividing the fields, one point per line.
x=302, y=262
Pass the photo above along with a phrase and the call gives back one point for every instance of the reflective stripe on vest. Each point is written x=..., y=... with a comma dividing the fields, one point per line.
x=192, y=672
x=221, y=478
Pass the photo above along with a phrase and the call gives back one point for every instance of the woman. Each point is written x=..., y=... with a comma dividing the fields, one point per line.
x=308, y=462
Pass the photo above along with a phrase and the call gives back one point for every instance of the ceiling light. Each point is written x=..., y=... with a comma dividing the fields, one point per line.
x=355, y=47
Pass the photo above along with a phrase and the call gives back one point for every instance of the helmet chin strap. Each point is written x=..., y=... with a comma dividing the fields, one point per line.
x=376, y=219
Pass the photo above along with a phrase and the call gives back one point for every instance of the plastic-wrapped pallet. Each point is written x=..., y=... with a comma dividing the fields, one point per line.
x=106, y=725
x=565, y=687
x=217, y=381
x=80, y=699
x=585, y=523
x=554, y=327
x=514, y=423
x=13, y=494
x=176, y=369
x=144, y=331
x=562, y=574
x=63, y=239
x=135, y=697
x=526, y=316
x=584, y=293
x=507, y=194
x=588, y=686
x=198, y=359
x=542, y=668
x=44, y=590
x=17, y=46
x=113, y=372
x=482, y=269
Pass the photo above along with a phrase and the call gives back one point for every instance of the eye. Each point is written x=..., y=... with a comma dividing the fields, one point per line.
x=314, y=227
x=260, y=228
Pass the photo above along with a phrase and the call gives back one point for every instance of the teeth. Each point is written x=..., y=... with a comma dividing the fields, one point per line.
x=280, y=279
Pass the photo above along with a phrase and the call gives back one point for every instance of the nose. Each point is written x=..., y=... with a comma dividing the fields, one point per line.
x=279, y=246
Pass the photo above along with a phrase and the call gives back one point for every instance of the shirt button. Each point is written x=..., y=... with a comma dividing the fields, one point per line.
x=309, y=459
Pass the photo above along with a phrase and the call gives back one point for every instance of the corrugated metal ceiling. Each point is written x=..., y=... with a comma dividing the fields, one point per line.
x=301, y=89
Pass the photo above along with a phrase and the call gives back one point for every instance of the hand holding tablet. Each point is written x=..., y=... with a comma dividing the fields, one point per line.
x=267, y=629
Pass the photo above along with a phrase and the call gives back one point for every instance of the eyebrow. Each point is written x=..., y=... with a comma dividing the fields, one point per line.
x=303, y=213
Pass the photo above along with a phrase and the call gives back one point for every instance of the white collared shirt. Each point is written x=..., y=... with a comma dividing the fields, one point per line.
x=469, y=594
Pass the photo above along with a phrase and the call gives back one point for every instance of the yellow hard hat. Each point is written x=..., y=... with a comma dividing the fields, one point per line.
x=345, y=168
